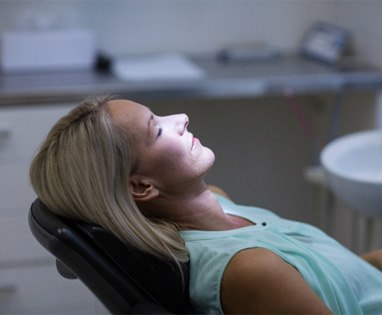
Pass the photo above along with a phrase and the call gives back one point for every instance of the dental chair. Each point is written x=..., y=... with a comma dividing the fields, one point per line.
x=125, y=280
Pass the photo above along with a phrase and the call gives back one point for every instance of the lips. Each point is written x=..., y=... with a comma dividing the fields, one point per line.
x=194, y=141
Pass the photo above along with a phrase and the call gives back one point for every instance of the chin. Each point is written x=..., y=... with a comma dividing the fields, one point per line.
x=212, y=157
x=209, y=159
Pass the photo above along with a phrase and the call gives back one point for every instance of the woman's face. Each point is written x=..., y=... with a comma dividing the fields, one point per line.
x=167, y=153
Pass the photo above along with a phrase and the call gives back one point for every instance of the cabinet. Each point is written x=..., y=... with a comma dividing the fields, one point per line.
x=29, y=282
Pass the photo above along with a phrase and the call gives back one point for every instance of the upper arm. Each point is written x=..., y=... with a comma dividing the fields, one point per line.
x=259, y=281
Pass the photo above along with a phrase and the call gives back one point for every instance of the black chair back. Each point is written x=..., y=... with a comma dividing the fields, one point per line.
x=124, y=280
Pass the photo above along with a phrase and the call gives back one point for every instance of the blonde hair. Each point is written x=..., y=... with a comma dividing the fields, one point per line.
x=82, y=171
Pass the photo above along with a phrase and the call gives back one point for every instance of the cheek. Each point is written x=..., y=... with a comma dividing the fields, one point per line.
x=172, y=158
x=167, y=158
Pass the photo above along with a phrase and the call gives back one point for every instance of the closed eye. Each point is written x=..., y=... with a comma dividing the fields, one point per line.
x=159, y=132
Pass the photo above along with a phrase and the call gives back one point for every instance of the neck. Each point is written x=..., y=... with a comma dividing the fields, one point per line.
x=196, y=209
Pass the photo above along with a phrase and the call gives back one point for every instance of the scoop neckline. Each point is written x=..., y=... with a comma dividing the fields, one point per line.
x=200, y=234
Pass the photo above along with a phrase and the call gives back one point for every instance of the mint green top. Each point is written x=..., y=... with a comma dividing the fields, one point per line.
x=343, y=281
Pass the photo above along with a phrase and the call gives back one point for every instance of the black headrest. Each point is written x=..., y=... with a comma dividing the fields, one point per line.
x=160, y=278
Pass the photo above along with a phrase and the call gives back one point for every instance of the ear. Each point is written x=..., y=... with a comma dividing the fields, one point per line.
x=143, y=189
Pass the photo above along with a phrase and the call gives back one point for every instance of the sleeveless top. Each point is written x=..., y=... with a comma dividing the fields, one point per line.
x=344, y=282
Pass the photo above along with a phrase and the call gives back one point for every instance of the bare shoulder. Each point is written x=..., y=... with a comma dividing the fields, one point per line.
x=259, y=281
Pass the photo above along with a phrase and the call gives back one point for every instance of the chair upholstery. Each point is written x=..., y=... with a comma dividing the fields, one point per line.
x=124, y=279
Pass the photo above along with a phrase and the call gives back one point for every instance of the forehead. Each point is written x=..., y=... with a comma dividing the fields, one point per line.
x=124, y=111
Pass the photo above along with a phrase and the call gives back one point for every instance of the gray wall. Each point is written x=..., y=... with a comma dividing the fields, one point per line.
x=194, y=26
x=187, y=26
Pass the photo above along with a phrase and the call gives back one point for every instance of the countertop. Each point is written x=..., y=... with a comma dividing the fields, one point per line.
x=222, y=79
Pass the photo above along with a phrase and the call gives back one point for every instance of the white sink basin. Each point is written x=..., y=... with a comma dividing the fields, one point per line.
x=353, y=165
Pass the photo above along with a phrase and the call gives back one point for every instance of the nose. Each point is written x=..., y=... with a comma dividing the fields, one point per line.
x=181, y=124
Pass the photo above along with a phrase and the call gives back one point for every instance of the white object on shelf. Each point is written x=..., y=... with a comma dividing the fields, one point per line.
x=47, y=50
x=170, y=66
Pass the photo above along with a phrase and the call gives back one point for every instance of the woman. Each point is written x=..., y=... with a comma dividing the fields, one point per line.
x=115, y=163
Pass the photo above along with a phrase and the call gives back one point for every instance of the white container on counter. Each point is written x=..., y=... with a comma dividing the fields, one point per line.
x=26, y=51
